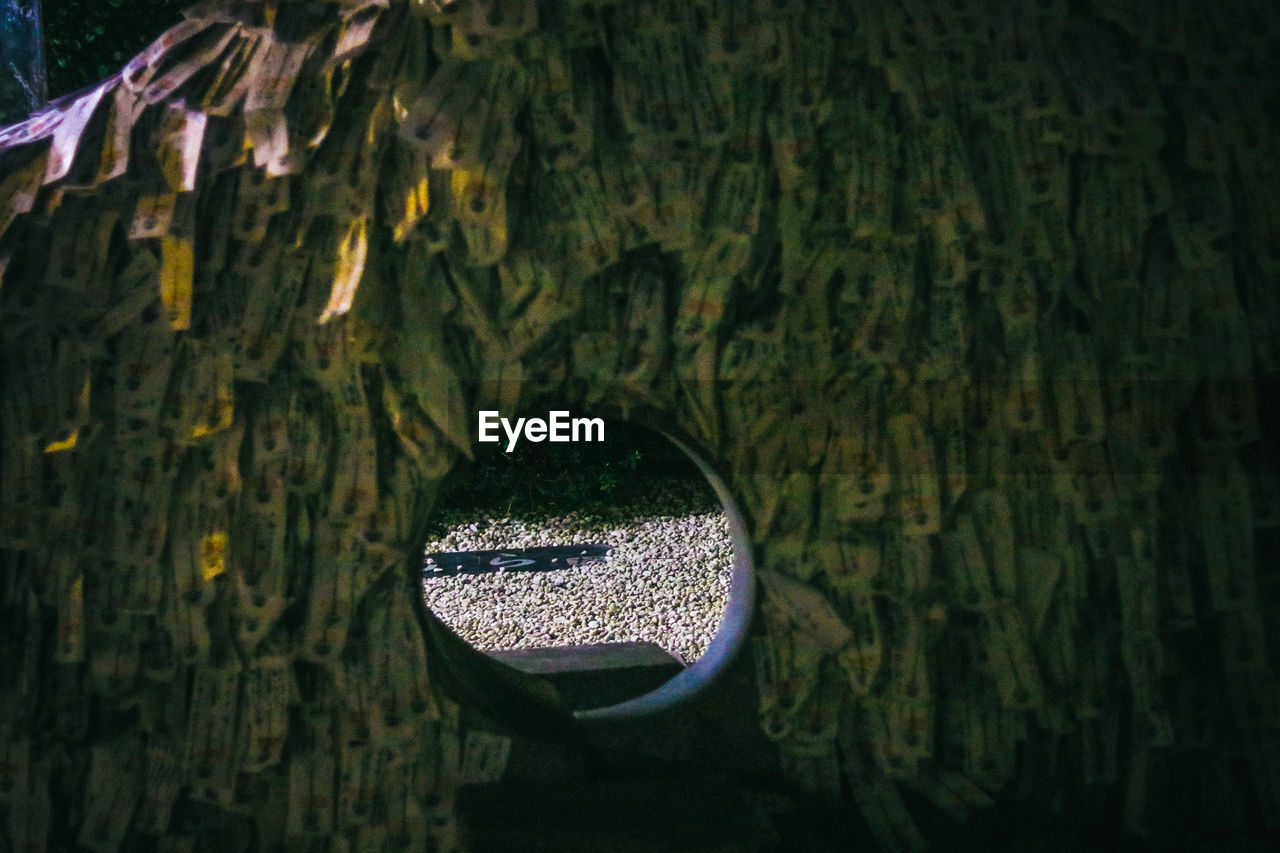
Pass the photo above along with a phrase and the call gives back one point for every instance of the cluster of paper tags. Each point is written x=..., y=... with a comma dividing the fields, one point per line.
x=968, y=303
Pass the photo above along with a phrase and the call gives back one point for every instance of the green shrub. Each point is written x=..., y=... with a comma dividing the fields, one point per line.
x=629, y=463
x=85, y=42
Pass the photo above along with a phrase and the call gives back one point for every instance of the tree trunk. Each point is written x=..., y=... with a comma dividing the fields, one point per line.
x=974, y=308
x=22, y=79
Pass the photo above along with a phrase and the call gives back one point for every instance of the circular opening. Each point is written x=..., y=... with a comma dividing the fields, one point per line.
x=613, y=567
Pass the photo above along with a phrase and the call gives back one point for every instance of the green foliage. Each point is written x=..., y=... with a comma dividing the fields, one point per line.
x=630, y=463
x=89, y=40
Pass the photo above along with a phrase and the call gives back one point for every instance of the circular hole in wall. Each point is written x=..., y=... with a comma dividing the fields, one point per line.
x=614, y=569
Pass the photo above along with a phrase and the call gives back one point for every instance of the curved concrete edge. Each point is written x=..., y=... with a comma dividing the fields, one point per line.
x=524, y=705
x=730, y=636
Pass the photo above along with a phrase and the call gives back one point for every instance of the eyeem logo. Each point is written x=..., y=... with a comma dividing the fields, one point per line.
x=558, y=427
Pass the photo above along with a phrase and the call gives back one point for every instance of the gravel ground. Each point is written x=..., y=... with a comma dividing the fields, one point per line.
x=666, y=580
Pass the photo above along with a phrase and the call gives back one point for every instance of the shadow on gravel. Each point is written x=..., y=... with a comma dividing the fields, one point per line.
x=544, y=558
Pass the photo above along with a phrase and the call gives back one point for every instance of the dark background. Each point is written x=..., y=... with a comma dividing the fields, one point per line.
x=87, y=40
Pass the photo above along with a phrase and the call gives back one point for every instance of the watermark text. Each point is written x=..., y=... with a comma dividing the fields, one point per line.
x=557, y=427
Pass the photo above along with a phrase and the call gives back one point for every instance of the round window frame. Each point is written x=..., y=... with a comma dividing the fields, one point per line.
x=527, y=705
